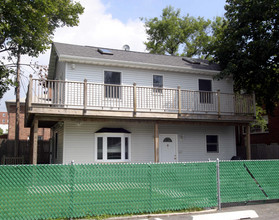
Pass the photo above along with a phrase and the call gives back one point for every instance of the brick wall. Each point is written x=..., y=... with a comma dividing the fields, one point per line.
x=4, y=118
x=23, y=132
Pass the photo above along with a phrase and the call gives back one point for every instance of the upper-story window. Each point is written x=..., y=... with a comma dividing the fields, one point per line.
x=4, y=114
x=158, y=83
x=3, y=121
x=113, y=81
x=205, y=88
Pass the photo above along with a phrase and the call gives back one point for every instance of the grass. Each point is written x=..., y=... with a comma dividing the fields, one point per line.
x=101, y=217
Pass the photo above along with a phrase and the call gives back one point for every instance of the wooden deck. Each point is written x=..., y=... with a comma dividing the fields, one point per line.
x=66, y=99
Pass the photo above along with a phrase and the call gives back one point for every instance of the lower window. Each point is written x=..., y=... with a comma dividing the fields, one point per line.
x=112, y=147
x=212, y=143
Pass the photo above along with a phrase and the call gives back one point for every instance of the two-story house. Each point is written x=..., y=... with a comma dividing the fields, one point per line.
x=107, y=105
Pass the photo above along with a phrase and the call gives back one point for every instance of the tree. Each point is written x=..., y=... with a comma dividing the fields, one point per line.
x=248, y=48
x=171, y=32
x=27, y=27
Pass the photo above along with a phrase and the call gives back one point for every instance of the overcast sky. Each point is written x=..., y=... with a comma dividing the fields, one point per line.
x=114, y=23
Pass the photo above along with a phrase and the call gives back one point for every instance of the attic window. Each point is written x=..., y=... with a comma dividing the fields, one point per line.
x=104, y=51
x=190, y=60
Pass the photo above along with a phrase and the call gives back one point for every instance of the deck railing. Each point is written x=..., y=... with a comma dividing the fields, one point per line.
x=87, y=95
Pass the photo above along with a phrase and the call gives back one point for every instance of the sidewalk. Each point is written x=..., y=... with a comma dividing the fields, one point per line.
x=264, y=211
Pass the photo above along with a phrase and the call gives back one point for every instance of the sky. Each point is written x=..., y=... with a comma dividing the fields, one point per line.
x=114, y=23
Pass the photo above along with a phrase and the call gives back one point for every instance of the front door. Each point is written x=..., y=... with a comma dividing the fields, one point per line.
x=167, y=148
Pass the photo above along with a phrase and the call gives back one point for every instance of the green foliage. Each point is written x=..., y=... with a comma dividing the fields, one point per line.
x=31, y=24
x=248, y=48
x=260, y=119
x=1, y=131
x=27, y=27
x=166, y=35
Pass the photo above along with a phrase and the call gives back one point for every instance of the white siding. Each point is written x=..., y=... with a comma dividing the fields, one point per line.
x=60, y=71
x=80, y=141
x=192, y=141
x=144, y=77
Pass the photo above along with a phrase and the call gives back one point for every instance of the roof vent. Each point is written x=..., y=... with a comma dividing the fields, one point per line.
x=190, y=60
x=126, y=47
x=104, y=51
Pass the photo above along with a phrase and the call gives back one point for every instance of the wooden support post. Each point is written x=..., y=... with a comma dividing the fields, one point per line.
x=248, y=144
x=30, y=92
x=85, y=95
x=135, y=98
x=156, y=142
x=254, y=105
x=34, y=140
x=179, y=100
x=219, y=103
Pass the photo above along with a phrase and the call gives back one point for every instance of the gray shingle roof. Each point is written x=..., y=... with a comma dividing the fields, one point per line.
x=138, y=57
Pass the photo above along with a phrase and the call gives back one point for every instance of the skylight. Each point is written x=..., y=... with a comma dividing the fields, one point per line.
x=104, y=51
x=190, y=60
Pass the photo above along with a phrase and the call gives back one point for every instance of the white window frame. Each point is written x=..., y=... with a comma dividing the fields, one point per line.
x=158, y=90
x=105, y=136
x=218, y=144
x=120, y=85
x=210, y=92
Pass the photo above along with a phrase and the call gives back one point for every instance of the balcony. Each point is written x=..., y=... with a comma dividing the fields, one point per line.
x=52, y=97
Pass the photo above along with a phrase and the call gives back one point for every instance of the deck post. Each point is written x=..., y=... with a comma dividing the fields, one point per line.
x=30, y=89
x=248, y=143
x=179, y=100
x=254, y=105
x=219, y=103
x=85, y=95
x=135, y=98
x=156, y=142
x=34, y=141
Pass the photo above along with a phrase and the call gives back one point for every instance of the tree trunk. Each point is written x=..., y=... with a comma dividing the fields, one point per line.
x=17, y=103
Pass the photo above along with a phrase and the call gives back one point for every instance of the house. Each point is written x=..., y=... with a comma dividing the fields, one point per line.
x=107, y=105
x=264, y=141
x=4, y=122
x=8, y=148
x=24, y=132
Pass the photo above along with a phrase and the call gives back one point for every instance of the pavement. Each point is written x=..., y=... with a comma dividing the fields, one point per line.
x=257, y=211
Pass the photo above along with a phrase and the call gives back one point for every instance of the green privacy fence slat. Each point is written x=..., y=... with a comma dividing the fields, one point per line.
x=55, y=191
x=266, y=173
x=249, y=180
x=68, y=191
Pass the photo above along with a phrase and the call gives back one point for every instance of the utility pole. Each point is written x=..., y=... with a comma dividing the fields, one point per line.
x=16, y=147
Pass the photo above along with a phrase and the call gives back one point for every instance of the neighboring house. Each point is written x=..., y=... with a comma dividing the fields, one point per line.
x=106, y=105
x=4, y=119
x=264, y=142
x=24, y=132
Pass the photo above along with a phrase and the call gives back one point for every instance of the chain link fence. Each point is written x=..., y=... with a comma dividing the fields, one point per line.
x=71, y=191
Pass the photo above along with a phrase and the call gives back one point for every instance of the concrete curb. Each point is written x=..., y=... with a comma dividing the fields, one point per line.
x=158, y=215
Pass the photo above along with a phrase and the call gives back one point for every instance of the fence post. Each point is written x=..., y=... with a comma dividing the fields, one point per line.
x=179, y=100
x=150, y=190
x=72, y=176
x=218, y=184
x=135, y=98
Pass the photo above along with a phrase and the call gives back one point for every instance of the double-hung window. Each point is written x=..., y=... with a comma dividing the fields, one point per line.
x=113, y=147
x=112, y=81
x=157, y=83
x=205, y=88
